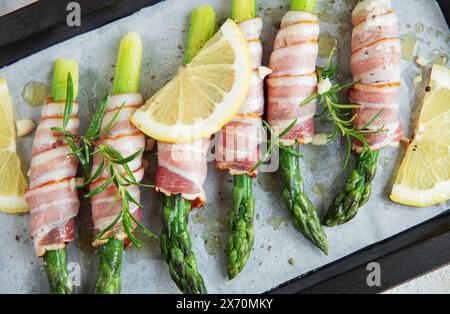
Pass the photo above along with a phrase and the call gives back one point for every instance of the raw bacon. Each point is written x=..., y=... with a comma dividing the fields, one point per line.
x=237, y=149
x=375, y=63
x=182, y=169
x=125, y=138
x=52, y=196
x=293, y=63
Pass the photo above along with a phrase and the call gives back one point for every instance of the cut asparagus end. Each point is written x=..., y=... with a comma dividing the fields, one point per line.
x=128, y=67
x=202, y=28
x=304, y=5
x=59, y=83
x=242, y=10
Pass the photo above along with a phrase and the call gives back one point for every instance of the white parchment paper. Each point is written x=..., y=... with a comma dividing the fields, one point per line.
x=163, y=29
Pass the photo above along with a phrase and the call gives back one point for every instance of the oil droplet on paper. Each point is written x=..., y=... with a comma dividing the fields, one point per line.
x=275, y=221
x=438, y=57
x=419, y=27
x=326, y=44
x=211, y=242
x=268, y=182
x=409, y=43
x=387, y=205
x=442, y=59
x=313, y=158
x=35, y=93
x=213, y=224
x=384, y=162
x=320, y=189
x=430, y=30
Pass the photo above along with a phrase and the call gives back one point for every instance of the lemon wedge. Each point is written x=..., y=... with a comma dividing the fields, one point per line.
x=204, y=95
x=424, y=175
x=12, y=181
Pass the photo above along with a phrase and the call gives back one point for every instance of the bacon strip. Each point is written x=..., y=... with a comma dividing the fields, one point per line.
x=52, y=196
x=237, y=149
x=375, y=63
x=293, y=63
x=182, y=169
x=127, y=140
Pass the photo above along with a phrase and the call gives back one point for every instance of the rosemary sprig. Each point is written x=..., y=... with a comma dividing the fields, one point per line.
x=69, y=101
x=337, y=113
x=275, y=141
x=119, y=173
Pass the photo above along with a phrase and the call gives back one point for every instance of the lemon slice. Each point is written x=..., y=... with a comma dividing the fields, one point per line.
x=12, y=181
x=424, y=176
x=204, y=95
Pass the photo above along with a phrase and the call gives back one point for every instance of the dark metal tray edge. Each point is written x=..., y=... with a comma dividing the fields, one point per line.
x=29, y=33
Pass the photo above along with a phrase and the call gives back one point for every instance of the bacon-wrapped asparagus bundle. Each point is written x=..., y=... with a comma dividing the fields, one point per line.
x=52, y=196
x=375, y=64
x=293, y=80
x=108, y=206
x=182, y=169
x=180, y=177
x=237, y=149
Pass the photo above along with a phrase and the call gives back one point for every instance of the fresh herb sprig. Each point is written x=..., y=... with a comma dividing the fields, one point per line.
x=119, y=173
x=338, y=113
x=275, y=141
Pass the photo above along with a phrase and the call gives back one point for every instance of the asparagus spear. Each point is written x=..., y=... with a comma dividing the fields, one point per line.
x=240, y=225
x=240, y=220
x=55, y=261
x=176, y=244
x=308, y=6
x=126, y=80
x=242, y=10
x=108, y=279
x=305, y=218
x=201, y=29
x=356, y=191
x=55, y=264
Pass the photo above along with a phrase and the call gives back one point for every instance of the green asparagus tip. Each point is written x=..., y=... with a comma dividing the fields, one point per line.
x=59, y=83
x=202, y=28
x=305, y=218
x=240, y=225
x=176, y=246
x=304, y=5
x=55, y=264
x=242, y=10
x=128, y=67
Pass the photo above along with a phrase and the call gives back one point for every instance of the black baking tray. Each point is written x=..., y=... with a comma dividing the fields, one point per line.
x=404, y=256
